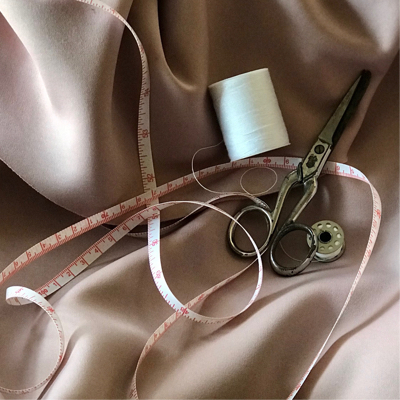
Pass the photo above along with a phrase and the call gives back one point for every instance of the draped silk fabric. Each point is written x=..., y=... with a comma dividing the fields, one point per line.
x=69, y=88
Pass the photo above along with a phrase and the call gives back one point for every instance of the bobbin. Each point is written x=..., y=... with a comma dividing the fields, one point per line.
x=331, y=243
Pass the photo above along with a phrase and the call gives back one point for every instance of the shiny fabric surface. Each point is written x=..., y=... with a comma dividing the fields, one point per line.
x=69, y=84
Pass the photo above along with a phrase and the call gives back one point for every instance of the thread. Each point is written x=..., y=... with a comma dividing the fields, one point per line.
x=293, y=258
x=249, y=115
x=264, y=192
x=241, y=178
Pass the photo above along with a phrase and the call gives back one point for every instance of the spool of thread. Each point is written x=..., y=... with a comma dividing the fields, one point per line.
x=249, y=115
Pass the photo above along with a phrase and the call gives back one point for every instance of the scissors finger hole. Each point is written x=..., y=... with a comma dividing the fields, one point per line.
x=286, y=235
x=250, y=218
x=293, y=248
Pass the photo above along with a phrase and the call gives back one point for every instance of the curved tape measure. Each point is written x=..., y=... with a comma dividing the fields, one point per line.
x=20, y=295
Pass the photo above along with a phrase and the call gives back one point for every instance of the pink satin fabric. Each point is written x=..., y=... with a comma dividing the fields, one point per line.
x=69, y=84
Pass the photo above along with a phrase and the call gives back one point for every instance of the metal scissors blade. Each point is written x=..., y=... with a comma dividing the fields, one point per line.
x=318, y=155
x=334, y=128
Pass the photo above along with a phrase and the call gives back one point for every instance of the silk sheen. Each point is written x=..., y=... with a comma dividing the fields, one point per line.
x=69, y=84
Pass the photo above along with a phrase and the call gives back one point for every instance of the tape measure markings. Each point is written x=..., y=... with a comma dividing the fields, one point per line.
x=371, y=241
x=163, y=328
x=13, y=296
x=105, y=216
x=81, y=263
x=376, y=218
x=159, y=279
x=109, y=214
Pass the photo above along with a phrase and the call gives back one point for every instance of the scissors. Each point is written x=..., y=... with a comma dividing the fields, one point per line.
x=306, y=175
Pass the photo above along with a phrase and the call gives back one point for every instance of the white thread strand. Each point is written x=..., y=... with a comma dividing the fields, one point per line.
x=192, y=164
x=263, y=192
x=293, y=258
x=241, y=178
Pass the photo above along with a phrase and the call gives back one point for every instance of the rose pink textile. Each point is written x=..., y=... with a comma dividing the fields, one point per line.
x=69, y=84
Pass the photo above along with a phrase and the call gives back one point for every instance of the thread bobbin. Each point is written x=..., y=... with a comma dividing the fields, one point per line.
x=331, y=243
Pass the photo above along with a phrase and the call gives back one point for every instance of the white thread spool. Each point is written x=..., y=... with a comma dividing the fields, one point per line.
x=249, y=114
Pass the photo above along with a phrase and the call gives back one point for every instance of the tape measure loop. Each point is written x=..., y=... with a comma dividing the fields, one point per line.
x=14, y=295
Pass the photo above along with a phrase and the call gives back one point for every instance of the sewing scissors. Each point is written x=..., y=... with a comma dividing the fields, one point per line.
x=306, y=175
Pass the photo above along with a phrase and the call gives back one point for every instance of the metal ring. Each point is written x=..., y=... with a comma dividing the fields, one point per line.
x=279, y=269
x=233, y=225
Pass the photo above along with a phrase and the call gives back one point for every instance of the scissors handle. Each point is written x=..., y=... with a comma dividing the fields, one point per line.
x=287, y=228
x=266, y=213
x=291, y=180
x=310, y=188
x=271, y=218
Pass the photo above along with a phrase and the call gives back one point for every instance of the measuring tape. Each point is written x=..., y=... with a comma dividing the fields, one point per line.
x=97, y=249
x=19, y=295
